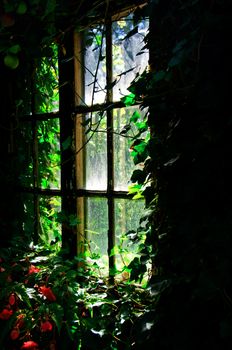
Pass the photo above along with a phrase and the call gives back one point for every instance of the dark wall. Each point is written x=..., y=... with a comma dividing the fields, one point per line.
x=10, y=204
x=191, y=150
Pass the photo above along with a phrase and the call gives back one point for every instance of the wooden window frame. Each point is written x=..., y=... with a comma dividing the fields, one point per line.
x=80, y=109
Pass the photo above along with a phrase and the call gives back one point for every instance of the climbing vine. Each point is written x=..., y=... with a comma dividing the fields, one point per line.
x=185, y=231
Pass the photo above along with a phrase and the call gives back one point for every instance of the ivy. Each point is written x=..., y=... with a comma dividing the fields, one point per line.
x=183, y=172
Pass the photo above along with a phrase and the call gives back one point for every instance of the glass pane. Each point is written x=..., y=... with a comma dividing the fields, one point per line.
x=123, y=138
x=25, y=147
x=97, y=231
x=129, y=57
x=127, y=216
x=50, y=228
x=46, y=83
x=96, y=153
x=95, y=66
x=49, y=153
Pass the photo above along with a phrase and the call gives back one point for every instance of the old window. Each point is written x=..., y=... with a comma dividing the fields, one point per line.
x=78, y=147
x=109, y=55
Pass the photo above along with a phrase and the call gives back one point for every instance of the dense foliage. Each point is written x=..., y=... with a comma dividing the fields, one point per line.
x=186, y=182
x=190, y=149
x=47, y=303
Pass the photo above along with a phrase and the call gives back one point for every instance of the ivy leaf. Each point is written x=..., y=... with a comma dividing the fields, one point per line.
x=135, y=116
x=22, y=8
x=14, y=49
x=142, y=126
x=138, y=176
x=11, y=61
x=128, y=100
x=57, y=314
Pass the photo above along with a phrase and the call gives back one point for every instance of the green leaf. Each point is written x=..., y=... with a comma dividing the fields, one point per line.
x=128, y=100
x=57, y=314
x=11, y=61
x=135, y=116
x=142, y=126
x=134, y=189
x=14, y=49
x=114, y=251
x=22, y=8
x=138, y=176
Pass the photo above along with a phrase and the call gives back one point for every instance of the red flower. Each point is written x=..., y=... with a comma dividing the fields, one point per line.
x=46, y=326
x=33, y=269
x=48, y=293
x=14, y=334
x=30, y=345
x=12, y=299
x=5, y=314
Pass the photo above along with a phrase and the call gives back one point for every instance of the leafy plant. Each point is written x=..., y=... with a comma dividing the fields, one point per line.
x=45, y=301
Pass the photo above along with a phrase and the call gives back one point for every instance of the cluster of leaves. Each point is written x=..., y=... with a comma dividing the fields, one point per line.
x=47, y=303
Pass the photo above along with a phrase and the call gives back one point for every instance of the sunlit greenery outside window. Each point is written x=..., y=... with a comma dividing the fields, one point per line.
x=39, y=151
x=110, y=56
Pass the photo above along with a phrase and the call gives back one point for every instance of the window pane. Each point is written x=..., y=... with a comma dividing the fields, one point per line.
x=97, y=230
x=49, y=153
x=123, y=161
x=127, y=216
x=96, y=153
x=128, y=53
x=50, y=228
x=95, y=66
x=46, y=82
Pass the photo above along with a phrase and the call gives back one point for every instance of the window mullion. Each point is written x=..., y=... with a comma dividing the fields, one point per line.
x=66, y=107
x=35, y=159
x=110, y=152
x=79, y=140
